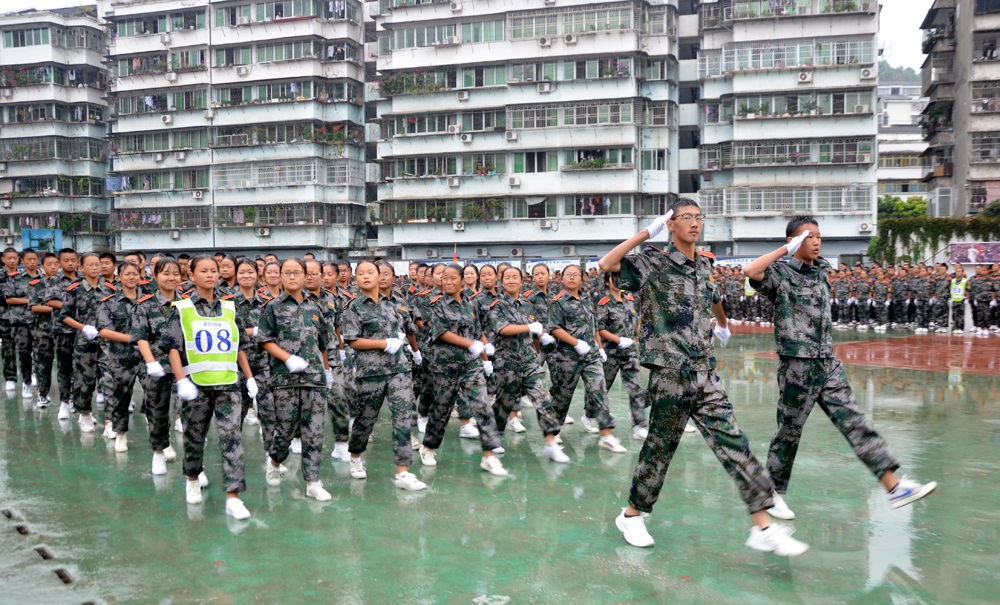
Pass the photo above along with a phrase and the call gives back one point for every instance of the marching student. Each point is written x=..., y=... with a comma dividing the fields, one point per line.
x=617, y=324
x=410, y=331
x=17, y=291
x=44, y=347
x=227, y=276
x=470, y=279
x=248, y=303
x=11, y=259
x=808, y=373
x=114, y=324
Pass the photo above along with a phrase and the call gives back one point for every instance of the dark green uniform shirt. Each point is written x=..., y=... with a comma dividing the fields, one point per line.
x=300, y=329
x=365, y=317
x=801, y=296
x=514, y=353
x=458, y=317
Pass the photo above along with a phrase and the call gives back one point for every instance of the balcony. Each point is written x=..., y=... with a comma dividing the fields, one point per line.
x=938, y=40
x=939, y=170
x=743, y=10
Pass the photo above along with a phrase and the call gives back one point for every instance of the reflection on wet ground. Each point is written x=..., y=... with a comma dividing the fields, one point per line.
x=545, y=534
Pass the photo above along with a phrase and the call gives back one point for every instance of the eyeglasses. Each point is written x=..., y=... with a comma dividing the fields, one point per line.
x=292, y=273
x=687, y=218
x=313, y=275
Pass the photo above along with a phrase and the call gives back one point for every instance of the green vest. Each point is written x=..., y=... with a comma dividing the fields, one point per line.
x=958, y=289
x=211, y=344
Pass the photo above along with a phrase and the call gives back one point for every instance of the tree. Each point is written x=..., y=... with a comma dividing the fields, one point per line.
x=992, y=210
x=891, y=206
x=888, y=73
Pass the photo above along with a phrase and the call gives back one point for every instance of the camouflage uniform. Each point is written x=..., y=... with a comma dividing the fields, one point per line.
x=863, y=292
x=344, y=371
x=117, y=313
x=920, y=290
x=900, y=294
x=63, y=336
x=8, y=353
x=336, y=402
x=515, y=365
x=675, y=343
x=840, y=290
x=980, y=293
x=748, y=302
x=149, y=322
x=481, y=302
x=81, y=302
x=880, y=294
x=458, y=376
x=733, y=288
x=566, y=367
x=808, y=372
x=941, y=289
x=21, y=320
x=620, y=318
x=105, y=381
x=427, y=385
x=381, y=376
x=958, y=306
x=299, y=328
x=41, y=336
x=540, y=300
x=221, y=401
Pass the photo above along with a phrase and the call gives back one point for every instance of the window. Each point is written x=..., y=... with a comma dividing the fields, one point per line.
x=227, y=57
x=233, y=15
x=285, y=9
x=535, y=161
x=288, y=51
x=483, y=120
x=483, y=164
x=534, y=117
x=534, y=26
x=985, y=147
x=188, y=60
x=598, y=68
x=597, y=205
x=536, y=207
x=26, y=37
x=189, y=20
x=604, y=19
x=191, y=139
x=477, y=77
x=532, y=72
x=654, y=159
x=484, y=31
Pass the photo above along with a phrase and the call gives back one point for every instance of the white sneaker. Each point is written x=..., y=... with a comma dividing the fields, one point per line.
x=42, y=402
x=26, y=391
x=34, y=381
x=414, y=443
x=473, y=421
x=178, y=427
x=690, y=427
x=169, y=453
x=956, y=331
x=296, y=446
x=236, y=509
x=65, y=411
x=315, y=490
x=569, y=420
x=272, y=474
x=428, y=457
x=493, y=466
x=109, y=433
x=526, y=402
x=780, y=510
x=121, y=443
x=908, y=491
x=358, y=470
x=454, y=412
x=639, y=433
x=589, y=425
x=634, y=530
x=409, y=482
x=499, y=451
x=516, y=425
x=340, y=452
x=193, y=491
x=611, y=443
x=202, y=479
x=100, y=397
x=86, y=423
x=468, y=431
x=159, y=464
x=558, y=439
x=421, y=424
x=556, y=453
x=10, y=385
x=252, y=418
x=777, y=539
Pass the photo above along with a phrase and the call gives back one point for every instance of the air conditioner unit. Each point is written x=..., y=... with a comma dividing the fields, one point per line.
x=8, y=92
x=510, y=135
x=544, y=87
x=431, y=253
x=865, y=228
x=568, y=251
x=197, y=194
x=456, y=6
x=175, y=234
x=466, y=138
x=805, y=77
x=165, y=37
x=7, y=203
x=167, y=119
x=514, y=181
x=482, y=252
x=463, y=95
x=157, y=157
x=861, y=109
x=209, y=114
x=8, y=240
x=4, y=232
x=450, y=41
x=517, y=251
x=458, y=226
x=543, y=224
x=180, y=155
x=454, y=181
x=263, y=232
x=569, y=38
x=869, y=73
x=242, y=70
x=242, y=20
x=864, y=158
x=455, y=129
x=545, y=42
x=171, y=76
x=3, y=166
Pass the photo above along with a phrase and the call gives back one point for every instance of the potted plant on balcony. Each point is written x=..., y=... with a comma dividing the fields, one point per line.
x=249, y=216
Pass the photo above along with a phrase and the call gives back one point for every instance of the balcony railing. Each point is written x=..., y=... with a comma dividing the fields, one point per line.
x=772, y=9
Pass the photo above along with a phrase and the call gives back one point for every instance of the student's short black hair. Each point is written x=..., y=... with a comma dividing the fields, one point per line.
x=183, y=256
x=50, y=255
x=28, y=251
x=66, y=251
x=109, y=256
x=683, y=202
x=8, y=250
x=797, y=222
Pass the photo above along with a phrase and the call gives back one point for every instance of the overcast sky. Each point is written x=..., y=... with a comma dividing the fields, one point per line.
x=900, y=35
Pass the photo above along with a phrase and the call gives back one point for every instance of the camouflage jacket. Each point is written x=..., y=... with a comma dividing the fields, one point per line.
x=55, y=289
x=841, y=290
x=514, y=353
x=43, y=321
x=980, y=289
x=881, y=289
x=863, y=290
x=900, y=288
x=300, y=329
x=577, y=317
x=81, y=301
x=619, y=318
x=941, y=286
x=366, y=317
x=540, y=301
x=328, y=304
x=248, y=316
x=152, y=313
x=482, y=302
x=20, y=285
x=5, y=309
x=920, y=289
x=172, y=336
x=677, y=293
x=117, y=312
x=801, y=296
x=457, y=317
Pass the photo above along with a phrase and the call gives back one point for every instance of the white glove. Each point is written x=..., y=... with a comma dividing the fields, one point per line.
x=392, y=345
x=933, y=301
x=253, y=332
x=657, y=226
x=581, y=347
x=401, y=335
x=967, y=303
x=723, y=334
x=476, y=348
x=418, y=358
x=835, y=301
x=252, y=387
x=602, y=355
x=155, y=369
x=489, y=349
x=975, y=303
x=743, y=298
x=90, y=332
x=993, y=303
x=907, y=302
x=296, y=364
x=624, y=343
x=488, y=368
x=887, y=303
x=547, y=339
x=342, y=353
x=794, y=245
x=186, y=390
x=329, y=378
x=535, y=328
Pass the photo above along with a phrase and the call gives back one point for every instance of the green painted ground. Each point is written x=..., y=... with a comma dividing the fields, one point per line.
x=544, y=535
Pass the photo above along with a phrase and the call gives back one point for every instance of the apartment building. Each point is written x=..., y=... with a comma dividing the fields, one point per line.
x=903, y=164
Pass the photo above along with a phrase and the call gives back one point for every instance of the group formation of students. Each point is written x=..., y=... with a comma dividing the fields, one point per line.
x=284, y=343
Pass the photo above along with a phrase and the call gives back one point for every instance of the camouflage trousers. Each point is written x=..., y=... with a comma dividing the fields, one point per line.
x=627, y=364
x=197, y=416
x=880, y=313
x=512, y=385
x=957, y=315
x=338, y=404
x=397, y=390
x=85, y=366
x=980, y=314
x=303, y=407
x=467, y=388
x=63, y=346
x=421, y=376
x=156, y=406
x=350, y=386
x=676, y=396
x=8, y=352
x=921, y=313
x=44, y=357
x=804, y=383
x=938, y=311
x=24, y=341
x=748, y=308
x=835, y=315
x=105, y=381
x=122, y=382
x=566, y=371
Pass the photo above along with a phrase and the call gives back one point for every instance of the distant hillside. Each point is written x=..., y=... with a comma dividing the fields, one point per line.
x=888, y=73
